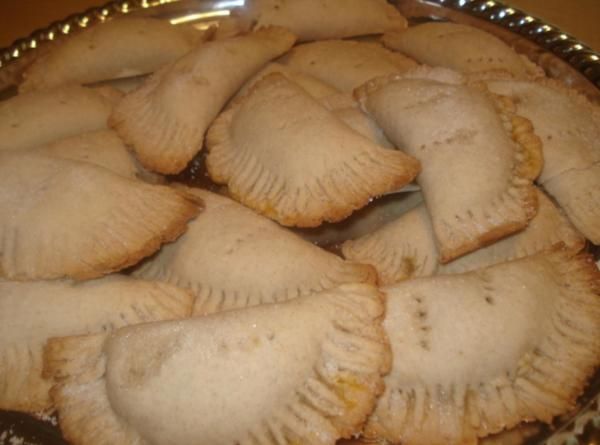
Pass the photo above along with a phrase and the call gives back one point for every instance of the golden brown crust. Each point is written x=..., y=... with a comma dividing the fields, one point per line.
x=230, y=258
x=33, y=311
x=512, y=206
x=460, y=47
x=331, y=399
x=295, y=161
x=326, y=19
x=165, y=119
x=550, y=362
x=118, y=221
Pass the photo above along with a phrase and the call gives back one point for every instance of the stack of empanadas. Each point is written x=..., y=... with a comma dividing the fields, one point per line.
x=147, y=311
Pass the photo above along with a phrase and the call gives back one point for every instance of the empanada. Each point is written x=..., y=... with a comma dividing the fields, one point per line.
x=102, y=147
x=399, y=250
x=348, y=111
x=32, y=312
x=326, y=19
x=478, y=166
x=123, y=47
x=166, y=118
x=230, y=257
x=283, y=154
x=60, y=218
x=311, y=84
x=569, y=126
x=346, y=64
x=33, y=119
x=306, y=371
x=405, y=248
x=479, y=352
x=460, y=47
x=341, y=104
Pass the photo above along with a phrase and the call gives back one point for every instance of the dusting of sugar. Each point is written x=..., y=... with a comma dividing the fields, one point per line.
x=7, y=437
x=47, y=417
x=14, y=440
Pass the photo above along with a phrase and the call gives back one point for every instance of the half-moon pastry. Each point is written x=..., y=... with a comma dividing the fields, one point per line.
x=313, y=86
x=569, y=126
x=485, y=350
x=405, y=248
x=283, y=154
x=166, y=118
x=341, y=104
x=33, y=119
x=32, y=312
x=479, y=159
x=230, y=257
x=306, y=371
x=349, y=111
x=326, y=19
x=399, y=250
x=64, y=218
x=124, y=47
x=346, y=64
x=460, y=47
x=102, y=147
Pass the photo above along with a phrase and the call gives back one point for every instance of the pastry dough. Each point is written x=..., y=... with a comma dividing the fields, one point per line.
x=32, y=312
x=124, y=47
x=166, y=118
x=312, y=85
x=281, y=153
x=569, y=127
x=33, y=119
x=341, y=104
x=402, y=249
x=347, y=110
x=306, y=371
x=482, y=351
x=346, y=64
x=478, y=166
x=102, y=147
x=60, y=218
x=230, y=257
x=460, y=47
x=326, y=19
x=405, y=248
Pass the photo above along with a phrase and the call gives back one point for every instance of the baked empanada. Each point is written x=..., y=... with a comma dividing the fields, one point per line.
x=32, y=119
x=479, y=159
x=306, y=371
x=482, y=351
x=166, y=118
x=347, y=109
x=406, y=248
x=341, y=104
x=311, y=84
x=326, y=19
x=283, y=154
x=399, y=250
x=123, y=47
x=60, y=218
x=32, y=312
x=569, y=127
x=460, y=47
x=103, y=148
x=346, y=64
x=230, y=257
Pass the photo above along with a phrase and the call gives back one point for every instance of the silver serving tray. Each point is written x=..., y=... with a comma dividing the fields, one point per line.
x=559, y=54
